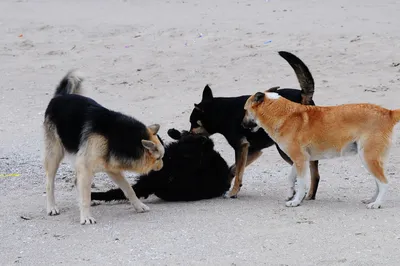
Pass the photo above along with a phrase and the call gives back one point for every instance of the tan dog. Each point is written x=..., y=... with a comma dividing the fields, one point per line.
x=308, y=133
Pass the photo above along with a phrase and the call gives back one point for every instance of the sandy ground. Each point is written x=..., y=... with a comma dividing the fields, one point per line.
x=151, y=59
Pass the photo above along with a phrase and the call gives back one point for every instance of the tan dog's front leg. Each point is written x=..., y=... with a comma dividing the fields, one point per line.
x=129, y=193
x=300, y=172
x=240, y=162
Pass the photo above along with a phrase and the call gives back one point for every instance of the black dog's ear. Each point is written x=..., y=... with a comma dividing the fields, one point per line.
x=207, y=94
x=273, y=89
x=208, y=143
x=258, y=97
x=174, y=134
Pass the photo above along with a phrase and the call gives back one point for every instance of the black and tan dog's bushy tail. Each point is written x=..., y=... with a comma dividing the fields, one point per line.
x=303, y=75
x=70, y=84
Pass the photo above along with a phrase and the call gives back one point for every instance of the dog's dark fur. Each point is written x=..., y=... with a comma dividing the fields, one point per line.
x=224, y=115
x=99, y=139
x=192, y=170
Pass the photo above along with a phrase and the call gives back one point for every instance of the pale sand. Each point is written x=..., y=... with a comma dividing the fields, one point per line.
x=349, y=46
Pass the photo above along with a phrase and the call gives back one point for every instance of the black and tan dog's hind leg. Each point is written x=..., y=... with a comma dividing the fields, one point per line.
x=54, y=153
x=240, y=164
x=252, y=156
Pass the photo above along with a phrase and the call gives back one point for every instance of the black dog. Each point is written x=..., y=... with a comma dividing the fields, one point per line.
x=224, y=115
x=192, y=170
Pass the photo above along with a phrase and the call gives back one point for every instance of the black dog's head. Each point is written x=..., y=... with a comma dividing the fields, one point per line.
x=200, y=120
x=191, y=144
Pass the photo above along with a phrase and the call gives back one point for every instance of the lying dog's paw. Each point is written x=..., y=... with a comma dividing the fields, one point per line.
x=141, y=207
x=87, y=220
x=95, y=203
x=174, y=134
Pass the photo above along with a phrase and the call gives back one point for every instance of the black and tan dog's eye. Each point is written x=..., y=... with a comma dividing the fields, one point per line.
x=199, y=123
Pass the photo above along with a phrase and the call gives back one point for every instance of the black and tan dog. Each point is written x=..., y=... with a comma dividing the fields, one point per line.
x=192, y=170
x=308, y=133
x=224, y=115
x=99, y=140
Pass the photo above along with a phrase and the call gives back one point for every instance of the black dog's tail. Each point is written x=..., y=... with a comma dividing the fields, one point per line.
x=70, y=84
x=303, y=75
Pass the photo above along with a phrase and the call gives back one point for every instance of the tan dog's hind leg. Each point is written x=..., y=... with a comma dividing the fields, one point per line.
x=53, y=155
x=373, y=152
x=241, y=159
x=84, y=177
x=129, y=193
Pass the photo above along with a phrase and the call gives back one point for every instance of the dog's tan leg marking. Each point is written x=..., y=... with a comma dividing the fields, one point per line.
x=373, y=155
x=53, y=155
x=251, y=158
x=129, y=193
x=314, y=180
x=84, y=178
x=241, y=159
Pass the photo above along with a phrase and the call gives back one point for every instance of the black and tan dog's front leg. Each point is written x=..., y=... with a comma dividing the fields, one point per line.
x=314, y=175
x=240, y=164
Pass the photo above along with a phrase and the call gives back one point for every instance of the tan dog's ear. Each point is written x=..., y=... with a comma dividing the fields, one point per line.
x=154, y=128
x=151, y=146
x=273, y=89
x=258, y=97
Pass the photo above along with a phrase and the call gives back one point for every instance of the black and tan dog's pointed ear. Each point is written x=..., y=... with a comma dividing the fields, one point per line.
x=198, y=108
x=154, y=128
x=151, y=146
x=258, y=97
x=207, y=94
x=273, y=89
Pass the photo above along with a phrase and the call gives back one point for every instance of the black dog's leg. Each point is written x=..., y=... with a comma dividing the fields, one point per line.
x=314, y=180
x=240, y=162
x=252, y=156
x=314, y=174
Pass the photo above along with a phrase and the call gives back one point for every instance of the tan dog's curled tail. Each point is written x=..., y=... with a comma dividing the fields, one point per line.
x=395, y=115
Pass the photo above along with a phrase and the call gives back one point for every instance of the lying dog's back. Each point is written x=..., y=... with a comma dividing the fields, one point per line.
x=192, y=170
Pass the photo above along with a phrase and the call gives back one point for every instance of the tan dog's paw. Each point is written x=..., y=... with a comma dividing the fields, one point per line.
x=374, y=205
x=290, y=195
x=87, y=220
x=293, y=203
x=141, y=207
x=52, y=211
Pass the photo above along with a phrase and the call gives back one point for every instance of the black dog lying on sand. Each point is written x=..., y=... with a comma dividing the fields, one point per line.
x=192, y=170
